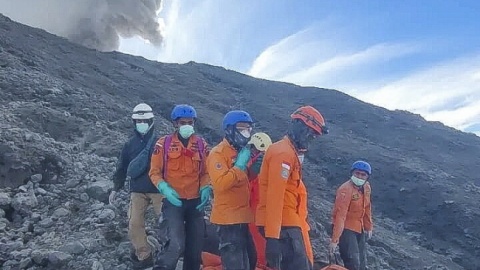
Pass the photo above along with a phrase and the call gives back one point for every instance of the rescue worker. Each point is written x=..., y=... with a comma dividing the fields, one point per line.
x=134, y=162
x=227, y=167
x=282, y=209
x=178, y=170
x=352, y=217
x=259, y=142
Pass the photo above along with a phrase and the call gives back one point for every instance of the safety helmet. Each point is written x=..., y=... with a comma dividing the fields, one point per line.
x=142, y=112
x=183, y=111
x=261, y=141
x=312, y=118
x=233, y=117
x=362, y=166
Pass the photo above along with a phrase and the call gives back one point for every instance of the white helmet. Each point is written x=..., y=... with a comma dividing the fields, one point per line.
x=261, y=141
x=142, y=111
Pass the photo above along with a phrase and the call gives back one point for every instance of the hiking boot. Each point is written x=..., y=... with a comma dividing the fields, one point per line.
x=148, y=262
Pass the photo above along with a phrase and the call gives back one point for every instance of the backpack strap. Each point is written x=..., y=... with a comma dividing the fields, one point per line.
x=201, y=150
x=166, y=147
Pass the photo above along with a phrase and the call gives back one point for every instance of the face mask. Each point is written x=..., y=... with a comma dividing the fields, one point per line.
x=142, y=128
x=245, y=133
x=301, y=157
x=186, y=131
x=357, y=181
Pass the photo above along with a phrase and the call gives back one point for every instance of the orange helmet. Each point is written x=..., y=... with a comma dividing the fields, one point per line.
x=312, y=118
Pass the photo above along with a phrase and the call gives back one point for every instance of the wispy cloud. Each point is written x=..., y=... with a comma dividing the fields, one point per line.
x=311, y=60
x=448, y=92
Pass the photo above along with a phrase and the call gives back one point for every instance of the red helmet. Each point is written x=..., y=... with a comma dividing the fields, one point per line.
x=312, y=118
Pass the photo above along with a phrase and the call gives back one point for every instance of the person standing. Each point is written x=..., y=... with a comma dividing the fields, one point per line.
x=228, y=169
x=279, y=213
x=134, y=162
x=178, y=170
x=352, y=217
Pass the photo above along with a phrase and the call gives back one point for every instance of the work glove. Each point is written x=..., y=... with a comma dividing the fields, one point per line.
x=332, y=248
x=170, y=194
x=255, y=168
x=369, y=234
x=205, y=193
x=111, y=197
x=273, y=253
x=242, y=159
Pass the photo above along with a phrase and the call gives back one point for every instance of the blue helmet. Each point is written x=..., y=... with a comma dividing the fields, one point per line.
x=362, y=166
x=233, y=117
x=183, y=111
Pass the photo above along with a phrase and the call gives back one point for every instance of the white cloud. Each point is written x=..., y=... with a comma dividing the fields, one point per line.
x=448, y=92
x=320, y=60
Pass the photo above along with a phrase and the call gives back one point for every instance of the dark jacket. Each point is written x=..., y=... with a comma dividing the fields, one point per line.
x=131, y=149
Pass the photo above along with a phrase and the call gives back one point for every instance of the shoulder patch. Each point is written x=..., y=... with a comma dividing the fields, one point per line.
x=218, y=165
x=286, y=165
x=285, y=173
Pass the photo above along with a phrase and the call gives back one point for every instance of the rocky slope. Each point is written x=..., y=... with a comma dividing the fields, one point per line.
x=64, y=114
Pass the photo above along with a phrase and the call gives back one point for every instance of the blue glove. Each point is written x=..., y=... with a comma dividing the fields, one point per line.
x=242, y=159
x=170, y=194
x=204, y=197
x=255, y=168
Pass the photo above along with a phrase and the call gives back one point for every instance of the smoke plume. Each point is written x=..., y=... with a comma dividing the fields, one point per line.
x=95, y=24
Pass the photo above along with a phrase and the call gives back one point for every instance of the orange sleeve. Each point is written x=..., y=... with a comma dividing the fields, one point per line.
x=279, y=171
x=222, y=177
x=342, y=202
x=156, y=163
x=204, y=176
x=367, y=218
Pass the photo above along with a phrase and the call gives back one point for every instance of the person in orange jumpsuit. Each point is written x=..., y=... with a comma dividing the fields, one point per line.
x=179, y=172
x=352, y=217
x=281, y=212
x=227, y=165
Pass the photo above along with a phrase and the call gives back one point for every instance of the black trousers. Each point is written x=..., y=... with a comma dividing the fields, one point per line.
x=181, y=231
x=294, y=254
x=236, y=247
x=352, y=247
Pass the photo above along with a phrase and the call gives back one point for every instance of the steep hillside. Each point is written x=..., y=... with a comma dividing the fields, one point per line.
x=65, y=114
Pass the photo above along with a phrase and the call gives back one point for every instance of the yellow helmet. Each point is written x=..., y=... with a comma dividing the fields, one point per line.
x=261, y=141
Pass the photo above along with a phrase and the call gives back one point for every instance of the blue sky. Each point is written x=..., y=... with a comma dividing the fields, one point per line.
x=421, y=56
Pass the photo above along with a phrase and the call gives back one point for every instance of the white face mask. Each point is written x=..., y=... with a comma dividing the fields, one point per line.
x=186, y=131
x=357, y=181
x=245, y=133
x=301, y=157
x=142, y=128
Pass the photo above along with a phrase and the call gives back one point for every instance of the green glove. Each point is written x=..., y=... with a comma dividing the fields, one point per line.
x=204, y=197
x=242, y=159
x=170, y=194
x=255, y=168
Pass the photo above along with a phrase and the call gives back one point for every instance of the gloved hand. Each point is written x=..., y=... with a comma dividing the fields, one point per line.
x=205, y=192
x=332, y=247
x=368, y=234
x=255, y=168
x=273, y=253
x=170, y=194
x=242, y=159
x=111, y=197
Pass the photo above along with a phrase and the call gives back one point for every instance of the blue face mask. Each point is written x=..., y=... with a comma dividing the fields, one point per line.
x=142, y=128
x=357, y=181
x=186, y=131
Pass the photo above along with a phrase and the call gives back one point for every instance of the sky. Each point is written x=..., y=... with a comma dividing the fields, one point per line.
x=420, y=56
